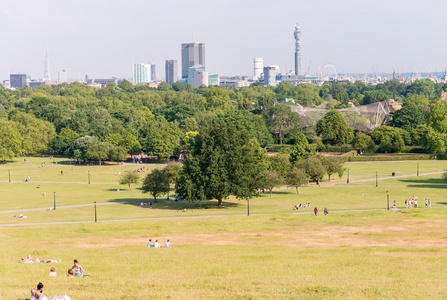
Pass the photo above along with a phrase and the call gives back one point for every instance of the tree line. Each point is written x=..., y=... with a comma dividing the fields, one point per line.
x=127, y=119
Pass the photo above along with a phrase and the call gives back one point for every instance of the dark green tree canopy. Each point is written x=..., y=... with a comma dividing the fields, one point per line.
x=222, y=160
x=333, y=126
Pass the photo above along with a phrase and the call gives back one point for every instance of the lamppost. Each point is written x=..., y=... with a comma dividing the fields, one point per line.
x=9, y=175
x=89, y=177
x=377, y=181
x=387, y=200
x=418, y=170
x=54, y=197
x=347, y=181
x=95, y=213
x=248, y=206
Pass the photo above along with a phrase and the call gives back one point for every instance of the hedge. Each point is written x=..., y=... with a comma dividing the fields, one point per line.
x=388, y=158
x=277, y=148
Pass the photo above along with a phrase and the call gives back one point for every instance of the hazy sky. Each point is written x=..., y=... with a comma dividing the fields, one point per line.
x=103, y=38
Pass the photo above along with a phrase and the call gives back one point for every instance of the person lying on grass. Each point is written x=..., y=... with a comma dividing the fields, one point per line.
x=30, y=260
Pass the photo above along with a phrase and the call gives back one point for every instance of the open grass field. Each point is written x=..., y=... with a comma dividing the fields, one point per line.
x=363, y=255
x=274, y=253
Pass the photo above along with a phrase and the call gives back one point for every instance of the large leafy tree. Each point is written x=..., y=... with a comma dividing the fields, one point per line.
x=117, y=153
x=297, y=177
x=129, y=178
x=302, y=148
x=156, y=183
x=313, y=167
x=79, y=147
x=274, y=179
x=10, y=141
x=253, y=124
x=162, y=137
x=282, y=121
x=279, y=163
x=332, y=165
x=333, y=126
x=408, y=117
x=222, y=160
x=363, y=142
x=36, y=133
x=99, y=151
x=438, y=116
x=390, y=139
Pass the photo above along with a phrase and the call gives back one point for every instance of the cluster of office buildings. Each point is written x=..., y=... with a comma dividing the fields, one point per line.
x=193, y=71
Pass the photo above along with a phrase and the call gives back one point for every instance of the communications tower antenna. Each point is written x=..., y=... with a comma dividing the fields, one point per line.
x=46, y=73
x=297, y=35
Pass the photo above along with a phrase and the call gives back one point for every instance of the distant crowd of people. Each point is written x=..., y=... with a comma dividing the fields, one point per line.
x=413, y=203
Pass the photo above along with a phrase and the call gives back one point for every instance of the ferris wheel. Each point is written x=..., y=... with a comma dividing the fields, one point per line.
x=328, y=71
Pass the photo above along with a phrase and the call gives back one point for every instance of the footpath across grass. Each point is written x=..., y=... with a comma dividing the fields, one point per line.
x=338, y=256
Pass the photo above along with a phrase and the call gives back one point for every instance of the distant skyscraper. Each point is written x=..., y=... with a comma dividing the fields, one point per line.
x=297, y=35
x=46, y=73
x=62, y=76
x=141, y=73
x=17, y=80
x=153, y=73
x=192, y=73
x=270, y=73
x=192, y=54
x=171, y=69
x=259, y=65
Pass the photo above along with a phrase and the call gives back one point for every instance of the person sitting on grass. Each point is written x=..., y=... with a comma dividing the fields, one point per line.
x=168, y=244
x=149, y=244
x=37, y=294
x=157, y=244
x=78, y=269
x=53, y=272
x=70, y=273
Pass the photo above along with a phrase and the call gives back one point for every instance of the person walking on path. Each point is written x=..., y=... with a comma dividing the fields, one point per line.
x=394, y=205
x=325, y=211
x=315, y=211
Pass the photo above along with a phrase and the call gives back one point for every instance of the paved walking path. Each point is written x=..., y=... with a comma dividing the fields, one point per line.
x=209, y=216
x=197, y=217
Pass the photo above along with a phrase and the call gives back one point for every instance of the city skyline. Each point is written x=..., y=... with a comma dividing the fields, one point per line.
x=85, y=37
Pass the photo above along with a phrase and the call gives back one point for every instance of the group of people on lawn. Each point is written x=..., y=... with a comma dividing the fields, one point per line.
x=37, y=294
x=157, y=244
x=413, y=203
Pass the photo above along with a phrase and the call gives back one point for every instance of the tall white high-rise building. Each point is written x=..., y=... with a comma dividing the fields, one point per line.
x=141, y=73
x=259, y=66
x=62, y=76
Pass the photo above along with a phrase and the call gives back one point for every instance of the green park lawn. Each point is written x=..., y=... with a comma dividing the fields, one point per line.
x=277, y=252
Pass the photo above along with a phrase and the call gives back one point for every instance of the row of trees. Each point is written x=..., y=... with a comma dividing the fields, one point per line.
x=223, y=160
x=48, y=119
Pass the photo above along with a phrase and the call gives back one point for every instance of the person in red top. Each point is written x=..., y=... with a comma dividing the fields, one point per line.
x=315, y=211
